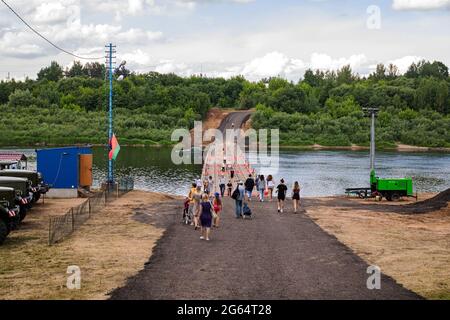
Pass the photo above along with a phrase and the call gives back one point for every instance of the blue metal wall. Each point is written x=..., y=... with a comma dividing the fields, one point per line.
x=60, y=166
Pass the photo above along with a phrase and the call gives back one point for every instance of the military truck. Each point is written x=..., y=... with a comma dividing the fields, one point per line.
x=9, y=212
x=38, y=187
x=24, y=197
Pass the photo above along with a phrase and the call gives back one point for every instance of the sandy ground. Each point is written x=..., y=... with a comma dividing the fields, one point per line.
x=414, y=249
x=108, y=248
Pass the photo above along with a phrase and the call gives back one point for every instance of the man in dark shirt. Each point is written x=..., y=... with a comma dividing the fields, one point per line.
x=281, y=190
x=249, y=185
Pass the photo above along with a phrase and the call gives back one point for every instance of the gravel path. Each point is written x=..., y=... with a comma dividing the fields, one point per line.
x=273, y=256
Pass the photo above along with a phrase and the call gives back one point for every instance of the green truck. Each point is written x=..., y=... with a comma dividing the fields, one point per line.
x=38, y=187
x=22, y=187
x=9, y=212
x=391, y=188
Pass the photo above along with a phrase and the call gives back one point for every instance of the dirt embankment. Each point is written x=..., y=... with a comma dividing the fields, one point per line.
x=410, y=243
x=108, y=248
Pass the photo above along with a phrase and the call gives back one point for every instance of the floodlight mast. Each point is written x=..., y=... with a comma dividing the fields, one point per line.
x=372, y=112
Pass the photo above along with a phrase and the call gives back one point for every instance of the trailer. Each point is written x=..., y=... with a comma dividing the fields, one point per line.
x=391, y=188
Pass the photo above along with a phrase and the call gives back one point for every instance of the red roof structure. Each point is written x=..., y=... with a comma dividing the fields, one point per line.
x=12, y=156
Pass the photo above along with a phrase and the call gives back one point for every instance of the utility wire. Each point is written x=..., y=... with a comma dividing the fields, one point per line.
x=43, y=37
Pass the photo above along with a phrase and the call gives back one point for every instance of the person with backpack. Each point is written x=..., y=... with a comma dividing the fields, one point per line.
x=249, y=185
x=296, y=196
x=281, y=190
x=217, y=207
x=238, y=196
x=206, y=217
x=261, y=187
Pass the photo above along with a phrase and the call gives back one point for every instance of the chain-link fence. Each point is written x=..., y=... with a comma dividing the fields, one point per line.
x=62, y=226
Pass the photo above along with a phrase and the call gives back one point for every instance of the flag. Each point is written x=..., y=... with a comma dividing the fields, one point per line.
x=114, y=148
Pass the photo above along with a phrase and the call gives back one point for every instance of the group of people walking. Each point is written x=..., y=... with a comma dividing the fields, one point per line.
x=265, y=188
x=204, y=208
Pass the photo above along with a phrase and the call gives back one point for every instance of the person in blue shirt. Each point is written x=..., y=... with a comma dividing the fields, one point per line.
x=240, y=191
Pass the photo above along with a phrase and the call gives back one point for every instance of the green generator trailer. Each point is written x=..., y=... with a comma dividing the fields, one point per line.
x=391, y=188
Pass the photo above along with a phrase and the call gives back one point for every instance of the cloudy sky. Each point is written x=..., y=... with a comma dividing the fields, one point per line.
x=255, y=38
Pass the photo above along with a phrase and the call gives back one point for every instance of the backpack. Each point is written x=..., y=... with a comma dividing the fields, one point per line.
x=236, y=193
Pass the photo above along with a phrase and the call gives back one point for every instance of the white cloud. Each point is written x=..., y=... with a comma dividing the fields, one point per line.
x=420, y=4
x=325, y=62
x=135, y=6
x=134, y=35
x=51, y=12
x=404, y=62
x=169, y=66
x=136, y=57
x=272, y=64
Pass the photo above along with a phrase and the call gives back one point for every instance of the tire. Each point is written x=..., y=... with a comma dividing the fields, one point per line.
x=362, y=195
x=388, y=197
x=36, y=196
x=395, y=197
x=3, y=231
x=22, y=213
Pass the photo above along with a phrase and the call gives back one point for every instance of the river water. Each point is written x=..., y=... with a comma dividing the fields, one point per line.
x=320, y=173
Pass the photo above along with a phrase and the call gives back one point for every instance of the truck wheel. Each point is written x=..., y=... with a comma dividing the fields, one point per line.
x=36, y=196
x=395, y=197
x=362, y=195
x=3, y=231
x=22, y=213
x=14, y=225
x=388, y=197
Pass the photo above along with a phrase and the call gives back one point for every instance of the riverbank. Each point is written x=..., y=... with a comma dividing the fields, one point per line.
x=398, y=147
x=108, y=248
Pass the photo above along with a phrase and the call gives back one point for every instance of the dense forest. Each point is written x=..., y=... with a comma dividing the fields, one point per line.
x=69, y=106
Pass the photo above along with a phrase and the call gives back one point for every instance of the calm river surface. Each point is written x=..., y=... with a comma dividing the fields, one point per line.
x=319, y=172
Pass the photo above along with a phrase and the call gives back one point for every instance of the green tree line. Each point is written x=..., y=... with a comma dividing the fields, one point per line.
x=324, y=107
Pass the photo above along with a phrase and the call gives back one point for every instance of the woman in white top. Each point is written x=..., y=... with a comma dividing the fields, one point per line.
x=270, y=186
x=261, y=187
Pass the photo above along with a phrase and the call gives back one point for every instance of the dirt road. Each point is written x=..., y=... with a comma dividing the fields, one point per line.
x=269, y=257
x=237, y=118
x=272, y=256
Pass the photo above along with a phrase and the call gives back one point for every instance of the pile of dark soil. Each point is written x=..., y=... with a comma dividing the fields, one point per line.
x=439, y=201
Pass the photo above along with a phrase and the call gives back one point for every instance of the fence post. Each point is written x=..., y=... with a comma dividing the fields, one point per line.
x=73, y=220
x=50, y=231
x=89, y=204
x=117, y=190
